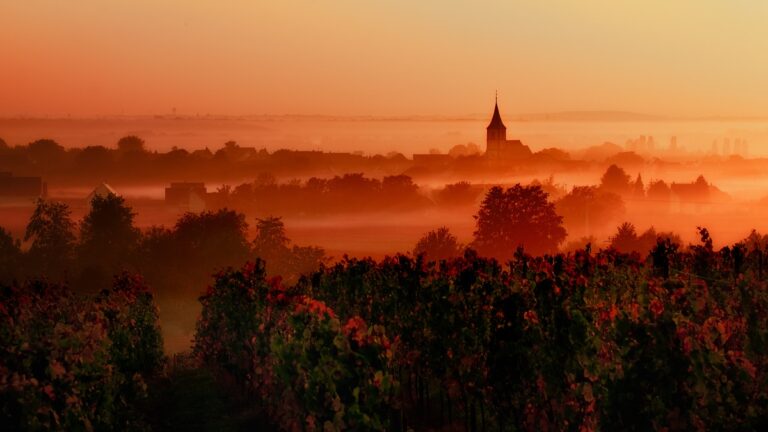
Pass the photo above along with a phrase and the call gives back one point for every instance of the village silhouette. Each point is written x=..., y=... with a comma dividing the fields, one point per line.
x=548, y=309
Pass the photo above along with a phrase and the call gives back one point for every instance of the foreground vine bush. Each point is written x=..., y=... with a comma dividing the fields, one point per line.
x=69, y=363
x=310, y=370
x=603, y=341
x=585, y=341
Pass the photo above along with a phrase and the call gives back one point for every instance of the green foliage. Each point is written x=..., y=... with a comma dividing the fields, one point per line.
x=64, y=360
x=132, y=326
x=592, y=342
x=311, y=372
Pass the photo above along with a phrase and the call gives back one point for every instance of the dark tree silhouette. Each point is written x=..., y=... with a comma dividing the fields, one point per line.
x=10, y=256
x=625, y=239
x=638, y=188
x=615, y=180
x=211, y=240
x=456, y=194
x=45, y=149
x=647, y=240
x=519, y=216
x=271, y=243
x=51, y=231
x=273, y=246
x=108, y=238
x=304, y=260
x=659, y=191
x=438, y=245
x=130, y=143
x=755, y=241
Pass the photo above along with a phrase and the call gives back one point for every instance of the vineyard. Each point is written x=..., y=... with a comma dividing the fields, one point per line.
x=586, y=341
x=602, y=341
x=68, y=363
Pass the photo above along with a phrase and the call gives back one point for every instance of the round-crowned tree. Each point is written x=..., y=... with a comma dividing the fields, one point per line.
x=615, y=180
x=438, y=245
x=520, y=216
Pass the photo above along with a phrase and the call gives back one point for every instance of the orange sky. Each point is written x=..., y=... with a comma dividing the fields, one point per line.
x=395, y=57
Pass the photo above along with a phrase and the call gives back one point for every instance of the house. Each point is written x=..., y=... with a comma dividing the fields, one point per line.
x=102, y=191
x=21, y=188
x=691, y=197
x=187, y=196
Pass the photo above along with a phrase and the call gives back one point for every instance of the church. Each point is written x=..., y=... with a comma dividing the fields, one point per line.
x=497, y=146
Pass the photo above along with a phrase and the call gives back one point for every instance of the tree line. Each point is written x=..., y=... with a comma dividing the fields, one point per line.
x=106, y=242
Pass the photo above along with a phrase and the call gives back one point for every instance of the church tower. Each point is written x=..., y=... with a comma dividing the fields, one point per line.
x=496, y=134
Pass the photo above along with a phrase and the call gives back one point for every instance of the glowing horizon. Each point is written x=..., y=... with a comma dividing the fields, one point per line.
x=703, y=58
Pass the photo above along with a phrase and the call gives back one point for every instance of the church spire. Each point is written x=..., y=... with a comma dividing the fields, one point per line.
x=496, y=122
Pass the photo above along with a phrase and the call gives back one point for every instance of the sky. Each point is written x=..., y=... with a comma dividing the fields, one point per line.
x=382, y=58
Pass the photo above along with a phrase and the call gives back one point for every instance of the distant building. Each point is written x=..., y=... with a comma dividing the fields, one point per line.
x=21, y=187
x=236, y=153
x=187, y=196
x=102, y=191
x=498, y=148
x=691, y=197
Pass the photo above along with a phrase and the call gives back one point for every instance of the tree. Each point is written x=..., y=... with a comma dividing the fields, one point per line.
x=108, y=237
x=755, y=241
x=130, y=143
x=585, y=208
x=625, y=239
x=456, y=194
x=10, y=256
x=461, y=150
x=270, y=237
x=53, y=240
x=305, y=260
x=615, y=180
x=638, y=188
x=400, y=191
x=46, y=153
x=210, y=241
x=519, y=216
x=659, y=191
x=438, y=245
x=272, y=245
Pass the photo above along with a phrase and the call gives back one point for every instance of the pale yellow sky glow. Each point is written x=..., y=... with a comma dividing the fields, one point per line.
x=397, y=57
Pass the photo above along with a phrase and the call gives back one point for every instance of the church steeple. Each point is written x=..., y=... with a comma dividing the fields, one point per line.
x=496, y=132
x=496, y=122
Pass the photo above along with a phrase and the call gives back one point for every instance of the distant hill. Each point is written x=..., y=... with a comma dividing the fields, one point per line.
x=590, y=116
